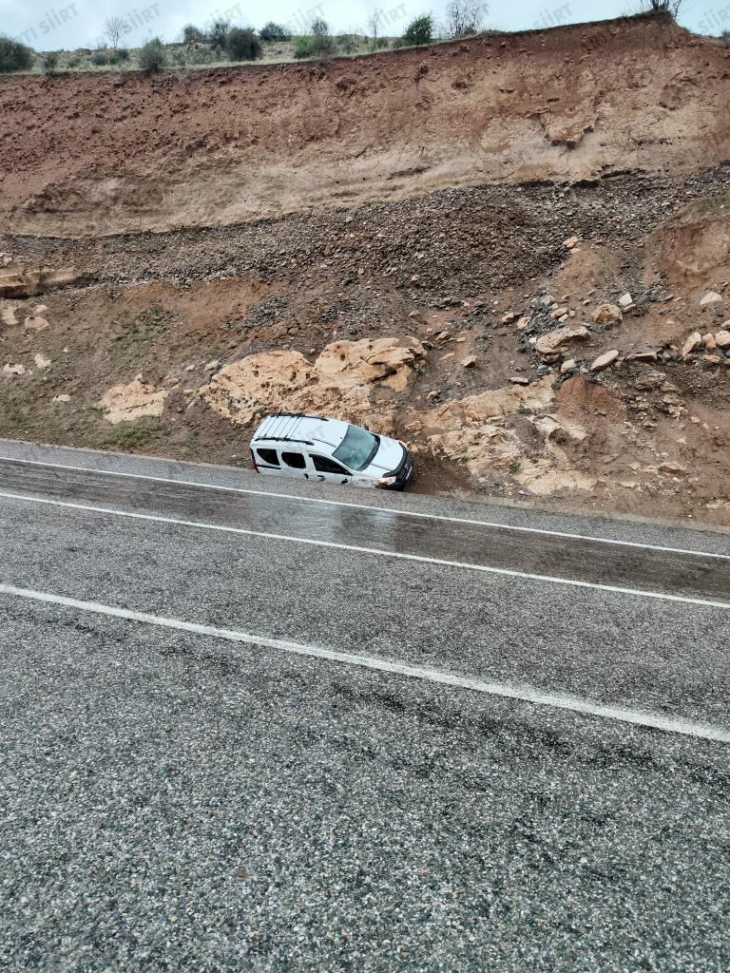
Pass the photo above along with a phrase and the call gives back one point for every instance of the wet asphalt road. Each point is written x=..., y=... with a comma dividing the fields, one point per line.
x=175, y=802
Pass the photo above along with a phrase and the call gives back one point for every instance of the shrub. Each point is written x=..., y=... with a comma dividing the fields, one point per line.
x=122, y=54
x=50, y=63
x=201, y=55
x=99, y=58
x=74, y=62
x=153, y=56
x=378, y=44
x=348, y=43
x=14, y=56
x=419, y=31
x=274, y=32
x=725, y=38
x=668, y=8
x=243, y=45
x=303, y=47
x=193, y=35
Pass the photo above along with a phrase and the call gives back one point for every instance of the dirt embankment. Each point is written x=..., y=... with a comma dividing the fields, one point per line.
x=99, y=154
x=530, y=280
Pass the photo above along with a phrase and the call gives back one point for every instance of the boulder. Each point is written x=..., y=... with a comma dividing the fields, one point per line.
x=604, y=361
x=571, y=242
x=550, y=346
x=470, y=361
x=42, y=363
x=708, y=340
x=388, y=361
x=35, y=323
x=722, y=339
x=608, y=314
x=626, y=301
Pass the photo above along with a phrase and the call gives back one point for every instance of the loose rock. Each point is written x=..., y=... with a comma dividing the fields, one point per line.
x=604, y=361
x=608, y=314
x=712, y=297
x=691, y=344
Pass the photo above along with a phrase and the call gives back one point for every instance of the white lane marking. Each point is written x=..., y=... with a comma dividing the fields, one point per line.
x=526, y=694
x=464, y=565
x=494, y=525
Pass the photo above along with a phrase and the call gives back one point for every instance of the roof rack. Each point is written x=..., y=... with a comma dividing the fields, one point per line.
x=283, y=439
x=285, y=427
x=295, y=415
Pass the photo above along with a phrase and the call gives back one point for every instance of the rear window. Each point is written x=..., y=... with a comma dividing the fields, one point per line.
x=295, y=460
x=268, y=457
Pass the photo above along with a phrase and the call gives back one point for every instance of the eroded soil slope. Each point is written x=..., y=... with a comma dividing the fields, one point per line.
x=100, y=154
x=569, y=344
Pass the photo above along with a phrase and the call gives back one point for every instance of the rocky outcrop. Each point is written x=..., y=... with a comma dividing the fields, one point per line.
x=126, y=403
x=340, y=383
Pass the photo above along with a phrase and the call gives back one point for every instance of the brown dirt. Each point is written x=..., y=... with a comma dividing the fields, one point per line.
x=212, y=148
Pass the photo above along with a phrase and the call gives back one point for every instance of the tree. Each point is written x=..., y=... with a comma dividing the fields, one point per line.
x=115, y=28
x=419, y=31
x=218, y=33
x=464, y=17
x=374, y=24
x=272, y=32
x=322, y=41
x=243, y=45
x=193, y=35
x=14, y=56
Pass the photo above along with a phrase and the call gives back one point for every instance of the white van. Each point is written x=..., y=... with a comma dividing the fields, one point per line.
x=329, y=451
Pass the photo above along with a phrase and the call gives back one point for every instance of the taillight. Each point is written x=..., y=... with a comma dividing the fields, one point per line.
x=253, y=462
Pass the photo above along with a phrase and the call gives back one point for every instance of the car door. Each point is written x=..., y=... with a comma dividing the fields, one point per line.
x=267, y=461
x=294, y=463
x=328, y=470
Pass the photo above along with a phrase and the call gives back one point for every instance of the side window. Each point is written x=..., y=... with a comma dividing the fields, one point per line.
x=268, y=457
x=294, y=460
x=324, y=465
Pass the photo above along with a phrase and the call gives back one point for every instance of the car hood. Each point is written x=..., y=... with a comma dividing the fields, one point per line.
x=387, y=459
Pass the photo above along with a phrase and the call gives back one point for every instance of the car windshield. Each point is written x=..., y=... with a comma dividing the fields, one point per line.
x=357, y=450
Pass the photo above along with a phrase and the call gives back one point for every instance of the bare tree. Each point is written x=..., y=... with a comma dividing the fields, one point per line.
x=671, y=7
x=465, y=17
x=115, y=28
x=374, y=24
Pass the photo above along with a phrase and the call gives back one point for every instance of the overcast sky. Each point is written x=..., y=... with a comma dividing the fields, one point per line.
x=56, y=24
